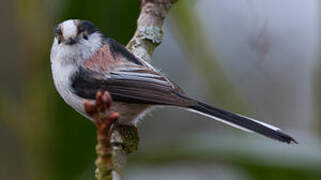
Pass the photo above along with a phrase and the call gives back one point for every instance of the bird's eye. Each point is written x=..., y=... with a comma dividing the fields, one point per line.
x=58, y=35
x=82, y=30
x=59, y=38
x=85, y=35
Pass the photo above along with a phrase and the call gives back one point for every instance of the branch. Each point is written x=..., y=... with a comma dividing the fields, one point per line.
x=116, y=141
x=108, y=163
x=149, y=32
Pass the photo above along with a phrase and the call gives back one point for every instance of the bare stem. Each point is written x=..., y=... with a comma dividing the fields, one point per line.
x=108, y=163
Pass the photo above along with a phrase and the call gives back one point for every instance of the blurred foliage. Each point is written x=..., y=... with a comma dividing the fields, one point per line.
x=260, y=157
x=58, y=142
x=187, y=24
x=317, y=94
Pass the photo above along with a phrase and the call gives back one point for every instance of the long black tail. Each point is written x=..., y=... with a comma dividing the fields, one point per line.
x=242, y=122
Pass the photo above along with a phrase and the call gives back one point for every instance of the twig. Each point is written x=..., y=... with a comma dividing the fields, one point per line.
x=105, y=123
x=116, y=141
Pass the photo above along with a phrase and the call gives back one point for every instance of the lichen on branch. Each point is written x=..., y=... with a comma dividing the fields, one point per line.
x=149, y=32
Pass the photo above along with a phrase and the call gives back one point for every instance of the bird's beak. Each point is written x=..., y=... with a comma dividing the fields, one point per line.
x=70, y=41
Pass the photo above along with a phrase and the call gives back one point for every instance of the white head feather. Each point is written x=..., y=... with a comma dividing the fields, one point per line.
x=69, y=28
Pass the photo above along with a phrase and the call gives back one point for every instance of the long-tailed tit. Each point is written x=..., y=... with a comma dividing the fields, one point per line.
x=84, y=61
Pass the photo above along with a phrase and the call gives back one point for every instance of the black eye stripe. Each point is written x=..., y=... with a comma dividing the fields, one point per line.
x=57, y=31
x=83, y=26
x=80, y=29
x=86, y=26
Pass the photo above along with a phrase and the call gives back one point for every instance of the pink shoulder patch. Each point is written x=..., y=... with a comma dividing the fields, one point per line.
x=102, y=60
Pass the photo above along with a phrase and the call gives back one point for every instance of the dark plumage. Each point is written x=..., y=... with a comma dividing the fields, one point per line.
x=86, y=26
x=119, y=50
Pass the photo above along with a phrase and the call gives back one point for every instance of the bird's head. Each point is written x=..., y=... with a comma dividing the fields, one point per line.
x=75, y=39
x=74, y=31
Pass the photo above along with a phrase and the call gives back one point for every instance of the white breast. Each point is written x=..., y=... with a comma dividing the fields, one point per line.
x=65, y=61
x=61, y=76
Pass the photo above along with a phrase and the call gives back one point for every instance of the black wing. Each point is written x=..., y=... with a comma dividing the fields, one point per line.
x=146, y=86
x=134, y=85
x=118, y=49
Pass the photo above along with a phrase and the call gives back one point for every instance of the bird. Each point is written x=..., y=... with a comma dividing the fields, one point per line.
x=84, y=61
